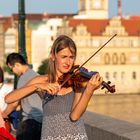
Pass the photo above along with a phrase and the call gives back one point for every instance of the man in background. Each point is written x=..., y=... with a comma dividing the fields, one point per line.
x=29, y=127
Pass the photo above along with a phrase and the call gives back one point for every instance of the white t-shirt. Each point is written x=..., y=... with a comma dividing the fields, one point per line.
x=4, y=90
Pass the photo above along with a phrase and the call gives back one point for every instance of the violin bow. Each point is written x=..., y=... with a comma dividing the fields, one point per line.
x=88, y=59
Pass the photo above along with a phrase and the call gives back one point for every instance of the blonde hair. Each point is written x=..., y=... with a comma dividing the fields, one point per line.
x=59, y=44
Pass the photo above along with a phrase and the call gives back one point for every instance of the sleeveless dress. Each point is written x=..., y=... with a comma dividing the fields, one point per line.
x=56, y=121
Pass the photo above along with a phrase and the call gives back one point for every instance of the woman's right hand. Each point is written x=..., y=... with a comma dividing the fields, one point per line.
x=51, y=88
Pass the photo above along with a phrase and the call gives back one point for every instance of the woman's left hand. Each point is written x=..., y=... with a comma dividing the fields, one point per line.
x=95, y=82
x=51, y=88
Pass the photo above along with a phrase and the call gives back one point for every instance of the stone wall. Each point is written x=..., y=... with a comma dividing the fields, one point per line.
x=101, y=127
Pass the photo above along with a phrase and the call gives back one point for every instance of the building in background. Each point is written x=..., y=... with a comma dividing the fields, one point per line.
x=93, y=9
x=43, y=37
x=118, y=61
x=2, y=30
x=10, y=40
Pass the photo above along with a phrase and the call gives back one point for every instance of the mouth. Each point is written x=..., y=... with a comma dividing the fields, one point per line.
x=67, y=67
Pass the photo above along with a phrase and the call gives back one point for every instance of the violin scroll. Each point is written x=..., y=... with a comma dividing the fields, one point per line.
x=111, y=89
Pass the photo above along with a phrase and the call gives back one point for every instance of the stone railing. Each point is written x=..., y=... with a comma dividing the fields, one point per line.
x=100, y=127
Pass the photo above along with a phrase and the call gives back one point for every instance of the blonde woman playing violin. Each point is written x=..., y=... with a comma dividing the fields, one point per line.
x=63, y=107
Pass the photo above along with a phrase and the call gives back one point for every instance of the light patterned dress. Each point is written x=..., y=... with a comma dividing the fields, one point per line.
x=56, y=122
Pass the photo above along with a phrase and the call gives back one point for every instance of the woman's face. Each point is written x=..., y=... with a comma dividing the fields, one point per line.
x=64, y=61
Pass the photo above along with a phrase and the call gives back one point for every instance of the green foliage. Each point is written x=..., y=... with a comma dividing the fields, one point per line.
x=6, y=69
x=42, y=69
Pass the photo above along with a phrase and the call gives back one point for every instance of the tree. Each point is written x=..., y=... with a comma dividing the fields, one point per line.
x=42, y=69
x=6, y=68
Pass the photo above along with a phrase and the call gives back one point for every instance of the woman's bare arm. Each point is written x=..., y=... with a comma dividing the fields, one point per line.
x=80, y=106
x=35, y=85
x=19, y=93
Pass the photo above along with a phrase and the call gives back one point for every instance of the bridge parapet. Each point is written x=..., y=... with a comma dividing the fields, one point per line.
x=100, y=127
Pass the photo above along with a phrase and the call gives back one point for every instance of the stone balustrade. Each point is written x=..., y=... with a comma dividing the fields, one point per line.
x=100, y=127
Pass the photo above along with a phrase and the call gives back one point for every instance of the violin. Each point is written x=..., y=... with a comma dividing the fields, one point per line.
x=80, y=78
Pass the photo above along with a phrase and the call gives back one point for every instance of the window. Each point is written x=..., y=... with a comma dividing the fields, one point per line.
x=96, y=4
x=107, y=75
x=115, y=75
x=81, y=32
x=58, y=27
x=134, y=75
x=123, y=78
x=95, y=43
x=52, y=38
x=51, y=28
x=122, y=58
x=107, y=58
x=115, y=58
x=82, y=4
x=122, y=75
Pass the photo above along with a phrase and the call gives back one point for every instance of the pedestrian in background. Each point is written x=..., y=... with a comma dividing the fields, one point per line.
x=31, y=106
x=5, y=108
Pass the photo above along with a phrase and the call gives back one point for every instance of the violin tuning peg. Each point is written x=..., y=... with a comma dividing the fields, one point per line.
x=102, y=87
x=108, y=82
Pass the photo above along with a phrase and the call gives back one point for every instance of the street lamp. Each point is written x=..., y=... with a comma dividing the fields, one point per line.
x=21, y=29
x=21, y=34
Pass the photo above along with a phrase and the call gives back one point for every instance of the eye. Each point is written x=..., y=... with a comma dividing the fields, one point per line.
x=72, y=57
x=63, y=56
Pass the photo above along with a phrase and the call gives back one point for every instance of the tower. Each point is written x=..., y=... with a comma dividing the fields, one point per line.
x=93, y=9
x=119, y=8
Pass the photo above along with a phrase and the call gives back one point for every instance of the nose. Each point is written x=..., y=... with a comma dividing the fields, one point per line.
x=68, y=61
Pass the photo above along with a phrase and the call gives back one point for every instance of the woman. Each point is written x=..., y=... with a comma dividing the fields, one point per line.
x=5, y=126
x=8, y=111
x=63, y=106
x=4, y=90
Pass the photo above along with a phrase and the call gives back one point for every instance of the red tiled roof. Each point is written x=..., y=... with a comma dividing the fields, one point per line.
x=57, y=15
x=7, y=22
x=135, y=17
x=95, y=27
x=29, y=16
x=132, y=26
x=42, y=16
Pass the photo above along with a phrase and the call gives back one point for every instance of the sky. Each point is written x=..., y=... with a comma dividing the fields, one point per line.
x=8, y=7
